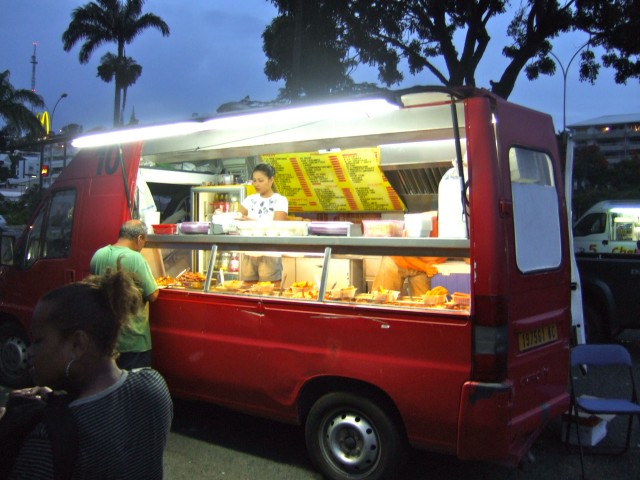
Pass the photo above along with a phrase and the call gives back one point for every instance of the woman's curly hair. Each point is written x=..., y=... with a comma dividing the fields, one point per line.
x=100, y=305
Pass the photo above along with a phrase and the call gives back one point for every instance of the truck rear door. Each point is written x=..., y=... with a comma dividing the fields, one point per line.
x=539, y=317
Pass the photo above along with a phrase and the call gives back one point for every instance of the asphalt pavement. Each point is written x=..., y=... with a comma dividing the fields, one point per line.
x=208, y=442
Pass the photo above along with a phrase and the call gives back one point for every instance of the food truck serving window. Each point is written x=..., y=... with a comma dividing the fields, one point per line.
x=535, y=211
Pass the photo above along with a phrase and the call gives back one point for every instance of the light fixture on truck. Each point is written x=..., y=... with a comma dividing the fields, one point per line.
x=342, y=110
x=307, y=114
x=136, y=135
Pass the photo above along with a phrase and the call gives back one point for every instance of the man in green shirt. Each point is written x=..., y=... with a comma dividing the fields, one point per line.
x=134, y=342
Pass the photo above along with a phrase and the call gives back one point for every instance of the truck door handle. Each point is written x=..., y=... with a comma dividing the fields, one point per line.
x=506, y=208
x=605, y=242
x=69, y=276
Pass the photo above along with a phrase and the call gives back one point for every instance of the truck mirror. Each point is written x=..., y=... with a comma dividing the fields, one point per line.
x=7, y=249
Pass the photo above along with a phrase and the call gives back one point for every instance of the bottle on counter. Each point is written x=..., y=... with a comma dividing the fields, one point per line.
x=234, y=262
x=225, y=259
x=217, y=262
x=225, y=203
x=219, y=203
x=234, y=205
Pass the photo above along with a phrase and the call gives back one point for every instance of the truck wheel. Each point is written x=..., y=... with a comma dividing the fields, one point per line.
x=14, y=370
x=353, y=438
x=596, y=329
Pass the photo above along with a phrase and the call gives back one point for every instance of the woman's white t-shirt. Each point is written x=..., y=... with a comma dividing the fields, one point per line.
x=259, y=208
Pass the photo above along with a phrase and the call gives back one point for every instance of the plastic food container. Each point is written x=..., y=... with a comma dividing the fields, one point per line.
x=461, y=299
x=329, y=228
x=194, y=227
x=392, y=295
x=418, y=224
x=233, y=284
x=301, y=287
x=434, y=299
x=262, y=287
x=382, y=228
x=384, y=296
x=165, y=228
x=348, y=292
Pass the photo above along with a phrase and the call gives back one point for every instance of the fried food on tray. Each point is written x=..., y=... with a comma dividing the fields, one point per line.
x=437, y=291
x=233, y=284
x=190, y=277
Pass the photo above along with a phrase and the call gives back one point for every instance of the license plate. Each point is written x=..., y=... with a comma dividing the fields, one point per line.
x=537, y=336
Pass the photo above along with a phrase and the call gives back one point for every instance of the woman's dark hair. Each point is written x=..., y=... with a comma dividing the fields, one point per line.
x=265, y=168
x=100, y=305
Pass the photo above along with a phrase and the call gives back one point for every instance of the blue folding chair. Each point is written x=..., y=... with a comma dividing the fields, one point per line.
x=594, y=355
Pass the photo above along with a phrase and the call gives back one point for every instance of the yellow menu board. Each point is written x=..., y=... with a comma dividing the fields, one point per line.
x=342, y=181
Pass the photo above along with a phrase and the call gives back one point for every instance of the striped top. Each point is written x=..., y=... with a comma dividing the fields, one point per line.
x=122, y=432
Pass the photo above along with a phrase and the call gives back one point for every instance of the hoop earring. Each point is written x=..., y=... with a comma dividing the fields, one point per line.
x=66, y=370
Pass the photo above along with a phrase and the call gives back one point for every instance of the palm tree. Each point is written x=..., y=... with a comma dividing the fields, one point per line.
x=17, y=117
x=106, y=21
x=125, y=69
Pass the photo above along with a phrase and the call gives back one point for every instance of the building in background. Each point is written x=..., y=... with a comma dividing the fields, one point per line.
x=35, y=164
x=616, y=136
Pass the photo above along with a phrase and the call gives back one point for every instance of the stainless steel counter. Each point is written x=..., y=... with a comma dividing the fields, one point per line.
x=436, y=247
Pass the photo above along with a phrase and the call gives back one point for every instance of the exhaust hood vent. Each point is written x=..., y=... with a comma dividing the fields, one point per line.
x=417, y=187
x=414, y=170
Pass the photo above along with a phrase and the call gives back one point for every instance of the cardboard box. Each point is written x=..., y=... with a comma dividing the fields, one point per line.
x=592, y=429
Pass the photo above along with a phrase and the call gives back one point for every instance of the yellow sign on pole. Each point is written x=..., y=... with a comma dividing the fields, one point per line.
x=45, y=121
x=341, y=181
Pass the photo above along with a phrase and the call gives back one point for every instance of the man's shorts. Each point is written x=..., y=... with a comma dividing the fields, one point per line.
x=261, y=269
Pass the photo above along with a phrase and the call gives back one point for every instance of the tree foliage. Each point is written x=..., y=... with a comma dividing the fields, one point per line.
x=126, y=69
x=18, y=212
x=590, y=169
x=15, y=113
x=110, y=21
x=447, y=38
x=290, y=37
x=595, y=179
x=614, y=25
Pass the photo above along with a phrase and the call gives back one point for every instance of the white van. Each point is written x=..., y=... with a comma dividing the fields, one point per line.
x=610, y=226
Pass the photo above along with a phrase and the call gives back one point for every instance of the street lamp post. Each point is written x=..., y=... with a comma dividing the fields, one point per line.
x=64, y=95
x=565, y=71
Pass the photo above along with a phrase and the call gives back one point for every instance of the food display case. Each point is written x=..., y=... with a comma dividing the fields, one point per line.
x=325, y=269
x=209, y=200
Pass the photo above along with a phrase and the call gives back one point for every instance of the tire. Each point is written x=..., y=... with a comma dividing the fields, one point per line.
x=349, y=437
x=596, y=329
x=14, y=369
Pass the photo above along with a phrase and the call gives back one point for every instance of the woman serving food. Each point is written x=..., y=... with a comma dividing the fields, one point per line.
x=265, y=204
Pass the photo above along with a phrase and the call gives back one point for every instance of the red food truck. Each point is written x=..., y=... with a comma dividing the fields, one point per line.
x=475, y=366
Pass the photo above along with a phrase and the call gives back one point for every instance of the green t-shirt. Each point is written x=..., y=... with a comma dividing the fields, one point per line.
x=136, y=335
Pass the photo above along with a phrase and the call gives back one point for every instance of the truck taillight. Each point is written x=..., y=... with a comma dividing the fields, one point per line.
x=490, y=340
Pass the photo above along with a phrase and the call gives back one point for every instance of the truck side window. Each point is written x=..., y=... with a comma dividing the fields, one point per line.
x=591, y=224
x=59, y=226
x=536, y=211
x=50, y=234
x=34, y=240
